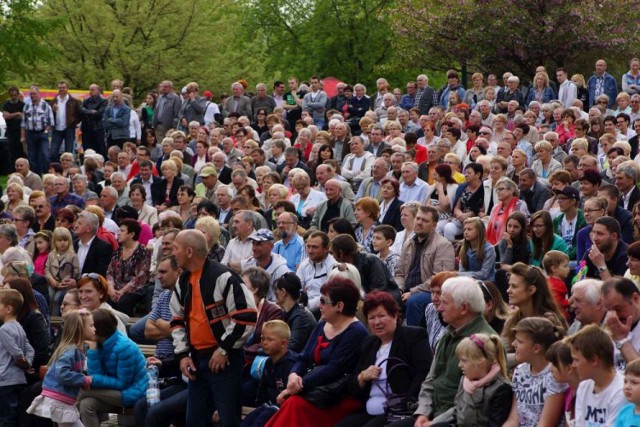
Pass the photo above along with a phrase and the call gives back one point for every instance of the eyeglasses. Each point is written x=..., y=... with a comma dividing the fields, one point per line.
x=325, y=301
x=593, y=210
x=602, y=102
x=537, y=226
x=502, y=189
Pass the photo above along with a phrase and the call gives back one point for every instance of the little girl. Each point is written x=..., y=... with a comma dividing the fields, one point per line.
x=64, y=377
x=559, y=355
x=538, y=398
x=484, y=395
x=62, y=263
x=42, y=240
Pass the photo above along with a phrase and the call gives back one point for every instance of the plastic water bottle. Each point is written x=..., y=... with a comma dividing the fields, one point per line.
x=153, y=390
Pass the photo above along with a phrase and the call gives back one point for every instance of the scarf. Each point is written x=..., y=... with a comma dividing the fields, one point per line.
x=498, y=221
x=471, y=386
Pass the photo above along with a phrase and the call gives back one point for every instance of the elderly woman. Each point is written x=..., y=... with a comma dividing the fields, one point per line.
x=15, y=197
x=508, y=202
x=497, y=169
x=390, y=204
x=395, y=359
x=211, y=230
x=518, y=162
x=128, y=271
x=67, y=160
x=331, y=352
x=47, y=185
x=356, y=166
x=24, y=218
x=366, y=213
x=304, y=144
x=441, y=193
x=545, y=165
x=165, y=192
x=580, y=147
x=276, y=193
x=146, y=213
x=117, y=369
x=499, y=126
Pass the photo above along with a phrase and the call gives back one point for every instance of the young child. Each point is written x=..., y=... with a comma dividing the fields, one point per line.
x=559, y=355
x=272, y=388
x=556, y=265
x=383, y=237
x=599, y=396
x=538, y=398
x=16, y=355
x=42, y=240
x=484, y=395
x=629, y=415
x=477, y=256
x=62, y=263
x=64, y=377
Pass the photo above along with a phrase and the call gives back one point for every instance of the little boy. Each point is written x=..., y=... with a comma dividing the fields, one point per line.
x=600, y=396
x=559, y=355
x=630, y=414
x=16, y=355
x=383, y=237
x=556, y=265
x=272, y=387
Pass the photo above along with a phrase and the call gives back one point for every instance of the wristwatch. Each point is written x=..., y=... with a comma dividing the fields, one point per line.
x=621, y=343
x=602, y=269
x=223, y=352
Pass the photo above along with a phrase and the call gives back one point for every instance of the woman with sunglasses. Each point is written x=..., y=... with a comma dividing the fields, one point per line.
x=331, y=353
x=93, y=291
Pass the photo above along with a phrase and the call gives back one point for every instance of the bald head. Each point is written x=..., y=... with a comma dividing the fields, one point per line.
x=190, y=249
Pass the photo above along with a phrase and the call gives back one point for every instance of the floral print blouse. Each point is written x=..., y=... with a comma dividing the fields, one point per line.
x=134, y=270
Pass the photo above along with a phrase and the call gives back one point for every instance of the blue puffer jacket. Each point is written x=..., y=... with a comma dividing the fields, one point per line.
x=118, y=364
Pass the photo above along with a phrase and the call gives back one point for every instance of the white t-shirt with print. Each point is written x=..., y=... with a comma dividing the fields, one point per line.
x=531, y=391
x=599, y=409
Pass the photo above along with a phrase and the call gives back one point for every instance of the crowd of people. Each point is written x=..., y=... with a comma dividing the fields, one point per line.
x=428, y=257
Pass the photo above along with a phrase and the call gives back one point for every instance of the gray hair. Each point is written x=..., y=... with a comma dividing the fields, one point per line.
x=92, y=220
x=509, y=184
x=111, y=192
x=118, y=175
x=465, y=290
x=628, y=170
x=84, y=178
x=17, y=254
x=9, y=232
x=592, y=290
x=412, y=165
x=227, y=189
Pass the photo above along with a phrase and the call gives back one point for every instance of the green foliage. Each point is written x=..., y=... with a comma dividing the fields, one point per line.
x=348, y=39
x=21, y=33
x=145, y=41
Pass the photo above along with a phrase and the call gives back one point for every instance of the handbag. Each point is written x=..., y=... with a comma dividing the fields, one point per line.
x=325, y=395
x=398, y=406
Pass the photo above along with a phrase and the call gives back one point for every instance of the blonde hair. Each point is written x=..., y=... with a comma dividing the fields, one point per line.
x=482, y=346
x=72, y=333
x=63, y=234
x=280, y=328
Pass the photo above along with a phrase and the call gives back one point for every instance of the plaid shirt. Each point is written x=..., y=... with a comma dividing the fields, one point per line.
x=58, y=202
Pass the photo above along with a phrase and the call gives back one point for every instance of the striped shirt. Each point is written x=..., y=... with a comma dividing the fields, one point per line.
x=162, y=310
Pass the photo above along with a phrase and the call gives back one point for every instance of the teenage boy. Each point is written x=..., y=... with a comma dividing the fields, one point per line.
x=556, y=265
x=272, y=388
x=383, y=237
x=600, y=396
x=16, y=355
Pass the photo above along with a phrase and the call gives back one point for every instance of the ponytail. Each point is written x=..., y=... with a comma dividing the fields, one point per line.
x=500, y=356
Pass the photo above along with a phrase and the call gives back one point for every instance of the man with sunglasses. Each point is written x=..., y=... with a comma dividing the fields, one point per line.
x=45, y=221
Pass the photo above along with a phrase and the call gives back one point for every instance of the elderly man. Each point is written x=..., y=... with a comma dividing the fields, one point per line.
x=290, y=245
x=108, y=202
x=30, y=179
x=119, y=183
x=262, y=101
x=306, y=199
x=587, y=304
x=602, y=83
x=219, y=160
x=80, y=188
x=461, y=307
x=232, y=153
x=224, y=193
x=356, y=166
x=63, y=197
x=626, y=178
x=240, y=247
x=412, y=187
x=341, y=141
x=42, y=208
x=209, y=343
x=166, y=111
x=426, y=254
x=334, y=207
x=117, y=117
x=262, y=256
x=37, y=120
x=209, y=183
x=324, y=173
x=93, y=253
x=426, y=96
x=238, y=102
x=370, y=187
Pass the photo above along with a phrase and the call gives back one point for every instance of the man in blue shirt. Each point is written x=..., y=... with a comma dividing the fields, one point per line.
x=290, y=245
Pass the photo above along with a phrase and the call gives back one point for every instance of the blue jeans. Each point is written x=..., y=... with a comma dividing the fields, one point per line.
x=68, y=136
x=259, y=416
x=136, y=331
x=416, y=305
x=219, y=392
x=38, y=148
x=319, y=123
x=9, y=400
x=172, y=407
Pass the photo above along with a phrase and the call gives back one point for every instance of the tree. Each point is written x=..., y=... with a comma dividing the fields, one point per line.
x=143, y=42
x=350, y=39
x=21, y=37
x=509, y=34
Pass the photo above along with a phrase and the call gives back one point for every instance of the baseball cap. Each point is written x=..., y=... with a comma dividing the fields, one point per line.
x=208, y=171
x=262, y=235
x=569, y=191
